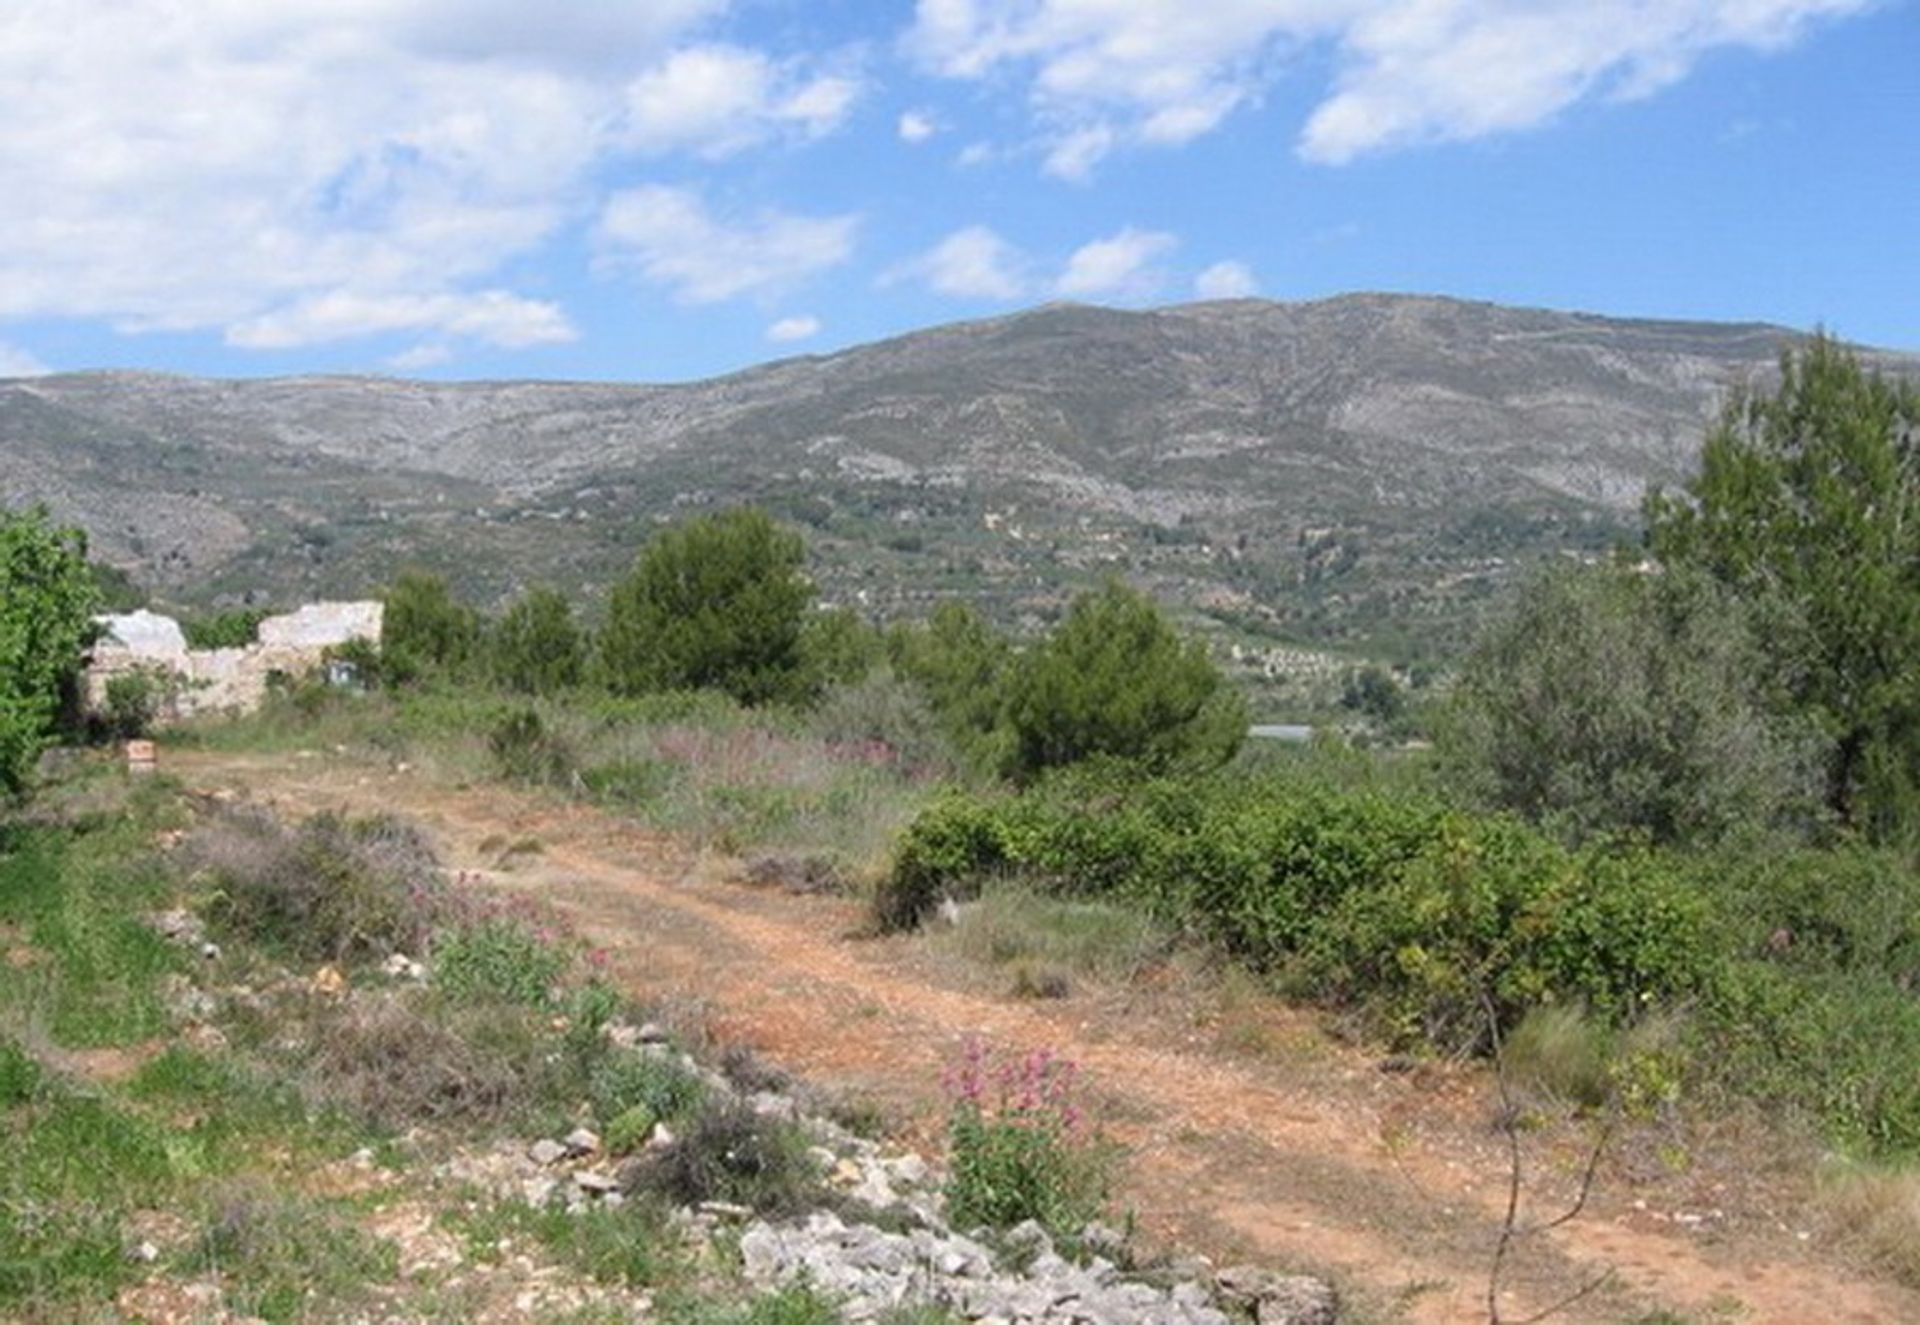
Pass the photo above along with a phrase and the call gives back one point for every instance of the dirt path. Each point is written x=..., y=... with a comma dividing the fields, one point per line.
x=1393, y=1184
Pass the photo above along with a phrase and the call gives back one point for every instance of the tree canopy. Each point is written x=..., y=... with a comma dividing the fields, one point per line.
x=1807, y=507
x=718, y=602
x=1116, y=679
x=1613, y=700
x=48, y=595
x=536, y=649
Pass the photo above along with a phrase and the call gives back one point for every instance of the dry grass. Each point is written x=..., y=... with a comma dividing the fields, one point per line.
x=1044, y=943
x=1876, y=1213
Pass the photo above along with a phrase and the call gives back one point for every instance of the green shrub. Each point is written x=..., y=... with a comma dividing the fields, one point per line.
x=1611, y=701
x=661, y=1084
x=496, y=960
x=235, y=628
x=424, y=631
x=19, y=1075
x=730, y=1153
x=1389, y=903
x=524, y=750
x=136, y=699
x=47, y=599
x=628, y=1130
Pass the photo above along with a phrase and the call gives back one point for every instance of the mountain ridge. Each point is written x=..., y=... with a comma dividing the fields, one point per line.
x=1366, y=468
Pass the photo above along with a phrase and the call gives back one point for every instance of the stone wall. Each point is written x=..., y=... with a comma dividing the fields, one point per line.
x=224, y=680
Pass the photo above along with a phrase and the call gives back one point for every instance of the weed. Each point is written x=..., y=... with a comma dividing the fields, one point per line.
x=389, y=1063
x=1561, y=1052
x=278, y=1257
x=1018, y=927
x=629, y=1244
x=661, y=1084
x=329, y=890
x=496, y=960
x=1877, y=1212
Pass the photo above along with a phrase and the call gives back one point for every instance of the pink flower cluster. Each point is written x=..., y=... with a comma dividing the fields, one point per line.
x=1036, y=1087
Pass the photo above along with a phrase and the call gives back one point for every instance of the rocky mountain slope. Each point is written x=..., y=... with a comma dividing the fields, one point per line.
x=1362, y=469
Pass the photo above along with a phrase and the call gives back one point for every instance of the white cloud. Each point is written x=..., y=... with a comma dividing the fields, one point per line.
x=1410, y=71
x=1119, y=265
x=973, y=263
x=1074, y=156
x=916, y=126
x=1226, y=280
x=790, y=329
x=312, y=169
x=492, y=316
x=717, y=99
x=670, y=238
x=16, y=362
x=427, y=354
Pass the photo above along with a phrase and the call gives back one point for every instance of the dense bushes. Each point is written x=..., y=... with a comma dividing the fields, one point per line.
x=1416, y=912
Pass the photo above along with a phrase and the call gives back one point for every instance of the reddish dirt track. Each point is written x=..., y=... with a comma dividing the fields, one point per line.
x=1313, y=1158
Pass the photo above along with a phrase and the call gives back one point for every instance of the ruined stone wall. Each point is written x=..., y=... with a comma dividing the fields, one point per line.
x=224, y=680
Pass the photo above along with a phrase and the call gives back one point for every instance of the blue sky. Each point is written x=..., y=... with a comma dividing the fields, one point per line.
x=664, y=189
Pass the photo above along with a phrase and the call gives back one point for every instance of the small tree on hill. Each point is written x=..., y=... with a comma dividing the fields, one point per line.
x=719, y=602
x=424, y=630
x=536, y=649
x=964, y=667
x=47, y=598
x=1115, y=679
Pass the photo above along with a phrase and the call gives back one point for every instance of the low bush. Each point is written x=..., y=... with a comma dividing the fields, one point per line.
x=1018, y=1147
x=330, y=889
x=730, y=1153
x=496, y=960
x=393, y=1065
x=660, y=1084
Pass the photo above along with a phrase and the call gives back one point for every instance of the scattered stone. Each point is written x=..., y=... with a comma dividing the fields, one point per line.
x=546, y=1151
x=725, y=1210
x=538, y=1191
x=210, y=951
x=329, y=982
x=662, y=1137
x=399, y=966
x=143, y=1253
x=651, y=1033
x=582, y=1141
x=1102, y=1239
x=595, y=1182
x=907, y=1170
x=621, y=1034
x=1279, y=1299
x=873, y=1271
x=178, y=926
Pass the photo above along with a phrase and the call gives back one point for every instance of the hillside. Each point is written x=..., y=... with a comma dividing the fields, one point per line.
x=1359, y=471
